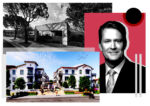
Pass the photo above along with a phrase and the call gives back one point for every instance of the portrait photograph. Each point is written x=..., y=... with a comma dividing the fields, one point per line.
x=122, y=51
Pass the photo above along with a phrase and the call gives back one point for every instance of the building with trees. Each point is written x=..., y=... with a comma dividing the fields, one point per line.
x=33, y=76
x=63, y=74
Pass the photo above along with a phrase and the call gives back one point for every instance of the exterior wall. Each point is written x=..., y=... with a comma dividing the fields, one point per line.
x=77, y=74
x=11, y=78
x=62, y=26
x=83, y=74
x=25, y=74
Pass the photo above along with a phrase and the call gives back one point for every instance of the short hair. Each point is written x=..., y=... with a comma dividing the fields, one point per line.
x=115, y=25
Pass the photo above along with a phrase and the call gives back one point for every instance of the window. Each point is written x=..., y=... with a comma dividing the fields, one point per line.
x=30, y=71
x=66, y=78
x=13, y=87
x=21, y=72
x=72, y=71
x=80, y=71
x=13, y=79
x=30, y=79
x=66, y=71
x=14, y=72
x=38, y=72
x=39, y=79
x=87, y=71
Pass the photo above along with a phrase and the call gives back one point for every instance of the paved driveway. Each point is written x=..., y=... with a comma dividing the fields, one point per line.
x=54, y=99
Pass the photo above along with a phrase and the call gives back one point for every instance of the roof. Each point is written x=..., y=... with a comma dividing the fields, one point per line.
x=31, y=62
x=84, y=65
x=50, y=26
x=76, y=67
x=20, y=65
x=10, y=66
x=39, y=68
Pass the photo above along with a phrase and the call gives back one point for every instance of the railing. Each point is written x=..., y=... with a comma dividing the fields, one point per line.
x=38, y=75
x=93, y=74
x=30, y=82
x=30, y=74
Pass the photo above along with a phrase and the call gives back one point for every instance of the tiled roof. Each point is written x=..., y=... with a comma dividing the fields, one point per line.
x=83, y=65
x=20, y=65
x=39, y=68
x=10, y=66
x=31, y=62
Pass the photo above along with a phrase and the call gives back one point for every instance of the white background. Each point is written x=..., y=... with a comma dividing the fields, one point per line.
x=119, y=6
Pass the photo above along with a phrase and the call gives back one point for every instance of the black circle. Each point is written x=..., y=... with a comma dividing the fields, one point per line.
x=133, y=15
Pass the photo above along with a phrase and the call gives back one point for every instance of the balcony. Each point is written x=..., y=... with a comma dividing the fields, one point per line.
x=39, y=82
x=30, y=74
x=93, y=74
x=29, y=82
x=38, y=75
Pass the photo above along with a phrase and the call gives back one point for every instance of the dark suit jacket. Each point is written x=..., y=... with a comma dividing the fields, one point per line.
x=126, y=80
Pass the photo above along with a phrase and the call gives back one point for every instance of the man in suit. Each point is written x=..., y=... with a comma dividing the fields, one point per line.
x=117, y=74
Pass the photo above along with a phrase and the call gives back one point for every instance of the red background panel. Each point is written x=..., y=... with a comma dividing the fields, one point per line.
x=136, y=33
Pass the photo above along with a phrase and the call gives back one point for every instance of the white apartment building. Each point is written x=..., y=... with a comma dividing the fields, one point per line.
x=30, y=72
x=63, y=73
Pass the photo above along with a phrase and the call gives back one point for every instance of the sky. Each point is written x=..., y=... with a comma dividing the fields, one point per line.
x=51, y=61
x=57, y=13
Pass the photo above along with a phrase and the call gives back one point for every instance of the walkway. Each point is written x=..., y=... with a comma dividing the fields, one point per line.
x=19, y=45
x=50, y=98
x=60, y=92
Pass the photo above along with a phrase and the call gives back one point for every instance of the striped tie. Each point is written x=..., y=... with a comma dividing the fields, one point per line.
x=110, y=82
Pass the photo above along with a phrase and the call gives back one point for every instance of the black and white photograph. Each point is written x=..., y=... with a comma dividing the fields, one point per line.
x=50, y=25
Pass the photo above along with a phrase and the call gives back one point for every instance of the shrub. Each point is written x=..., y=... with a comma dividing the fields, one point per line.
x=32, y=93
x=12, y=94
x=77, y=92
x=86, y=92
x=69, y=92
x=23, y=93
x=96, y=92
x=65, y=85
x=7, y=92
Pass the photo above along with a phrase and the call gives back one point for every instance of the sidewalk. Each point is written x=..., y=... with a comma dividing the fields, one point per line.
x=54, y=96
x=18, y=42
x=20, y=45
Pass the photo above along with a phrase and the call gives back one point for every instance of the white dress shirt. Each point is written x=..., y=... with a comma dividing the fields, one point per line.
x=117, y=69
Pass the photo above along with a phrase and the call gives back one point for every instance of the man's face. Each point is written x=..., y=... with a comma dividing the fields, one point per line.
x=112, y=44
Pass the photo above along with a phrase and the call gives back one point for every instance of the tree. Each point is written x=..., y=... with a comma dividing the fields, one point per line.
x=7, y=78
x=36, y=85
x=20, y=83
x=12, y=21
x=99, y=81
x=72, y=81
x=51, y=83
x=32, y=11
x=84, y=83
x=76, y=11
x=65, y=85
x=29, y=12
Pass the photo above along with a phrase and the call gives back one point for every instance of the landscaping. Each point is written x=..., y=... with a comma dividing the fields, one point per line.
x=19, y=94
